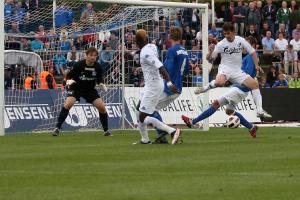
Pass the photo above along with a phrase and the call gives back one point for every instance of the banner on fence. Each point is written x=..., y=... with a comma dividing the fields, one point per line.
x=38, y=110
x=192, y=105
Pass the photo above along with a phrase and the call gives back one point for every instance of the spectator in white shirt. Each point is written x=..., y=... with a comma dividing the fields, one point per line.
x=281, y=43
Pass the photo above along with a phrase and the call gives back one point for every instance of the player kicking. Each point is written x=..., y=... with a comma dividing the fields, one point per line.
x=231, y=98
x=152, y=69
x=231, y=48
x=177, y=65
x=81, y=82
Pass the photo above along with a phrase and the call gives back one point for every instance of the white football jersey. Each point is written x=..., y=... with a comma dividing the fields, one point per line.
x=231, y=53
x=150, y=64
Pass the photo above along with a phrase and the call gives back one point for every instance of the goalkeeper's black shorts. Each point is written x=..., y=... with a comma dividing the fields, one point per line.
x=89, y=95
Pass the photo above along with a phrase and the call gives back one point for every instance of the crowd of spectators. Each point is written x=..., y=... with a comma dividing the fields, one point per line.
x=276, y=28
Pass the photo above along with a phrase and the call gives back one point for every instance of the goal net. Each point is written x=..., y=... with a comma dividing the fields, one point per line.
x=57, y=35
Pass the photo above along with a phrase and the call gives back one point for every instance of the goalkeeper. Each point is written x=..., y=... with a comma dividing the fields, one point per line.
x=81, y=82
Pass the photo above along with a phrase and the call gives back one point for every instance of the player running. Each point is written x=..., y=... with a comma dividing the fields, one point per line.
x=248, y=67
x=152, y=69
x=231, y=98
x=81, y=82
x=231, y=48
x=177, y=65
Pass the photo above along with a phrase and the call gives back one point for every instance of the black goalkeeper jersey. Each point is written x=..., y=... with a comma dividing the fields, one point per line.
x=85, y=76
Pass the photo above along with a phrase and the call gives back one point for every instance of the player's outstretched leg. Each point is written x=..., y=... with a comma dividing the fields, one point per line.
x=252, y=128
x=258, y=102
x=205, y=88
x=210, y=111
x=99, y=104
x=218, y=82
x=70, y=101
x=253, y=85
x=161, y=135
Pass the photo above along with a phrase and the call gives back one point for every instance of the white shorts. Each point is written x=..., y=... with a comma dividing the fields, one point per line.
x=237, y=77
x=233, y=97
x=165, y=100
x=150, y=98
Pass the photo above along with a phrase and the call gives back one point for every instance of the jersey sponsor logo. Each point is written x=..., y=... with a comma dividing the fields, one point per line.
x=232, y=50
x=89, y=69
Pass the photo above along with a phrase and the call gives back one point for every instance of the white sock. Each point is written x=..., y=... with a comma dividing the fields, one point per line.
x=159, y=125
x=144, y=132
x=137, y=114
x=257, y=99
x=209, y=86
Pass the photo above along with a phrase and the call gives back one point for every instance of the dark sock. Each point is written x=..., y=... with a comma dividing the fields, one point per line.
x=62, y=117
x=211, y=110
x=243, y=121
x=104, y=121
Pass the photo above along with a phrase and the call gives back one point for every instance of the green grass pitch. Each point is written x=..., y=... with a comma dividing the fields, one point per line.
x=219, y=164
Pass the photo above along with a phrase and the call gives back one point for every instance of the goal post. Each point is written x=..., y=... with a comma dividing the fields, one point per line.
x=2, y=36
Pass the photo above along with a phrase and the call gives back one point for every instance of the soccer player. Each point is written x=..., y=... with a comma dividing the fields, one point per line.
x=153, y=69
x=177, y=65
x=81, y=82
x=231, y=48
x=248, y=67
x=231, y=98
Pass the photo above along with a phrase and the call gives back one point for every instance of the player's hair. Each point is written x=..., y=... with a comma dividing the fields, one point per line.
x=176, y=33
x=228, y=27
x=91, y=50
x=141, y=38
x=252, y=40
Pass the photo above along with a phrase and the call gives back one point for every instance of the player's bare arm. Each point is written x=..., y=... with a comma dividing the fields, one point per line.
x=166, y=77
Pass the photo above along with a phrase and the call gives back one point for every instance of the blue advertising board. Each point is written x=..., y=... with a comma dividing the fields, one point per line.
x=28, y=111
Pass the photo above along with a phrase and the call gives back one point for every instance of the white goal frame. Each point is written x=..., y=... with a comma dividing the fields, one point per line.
x=204, y=12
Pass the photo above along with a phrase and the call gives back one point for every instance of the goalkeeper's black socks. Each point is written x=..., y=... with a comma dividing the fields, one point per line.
x=104, y=120
x=62, y=117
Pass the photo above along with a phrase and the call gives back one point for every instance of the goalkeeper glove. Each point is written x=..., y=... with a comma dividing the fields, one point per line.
x=102, y=87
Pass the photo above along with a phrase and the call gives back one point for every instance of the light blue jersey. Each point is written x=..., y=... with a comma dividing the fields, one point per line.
x=177, y=65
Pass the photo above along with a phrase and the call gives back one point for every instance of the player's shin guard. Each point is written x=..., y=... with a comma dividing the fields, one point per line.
x=159, y=125
x=257, y=99
x=157, y=116
x=211, y=110
x=243, y=121
x=62, y=117
x=104, y=120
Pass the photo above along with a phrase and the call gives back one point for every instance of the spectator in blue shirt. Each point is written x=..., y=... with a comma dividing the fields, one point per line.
x=63, y=16
x=197, y=78
x=65, y=45
x=268, y=44
x=281, y=82
x=106, y=58
x=60, y=62
x=213, y=31
x=37, y=44
x=8, y=8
